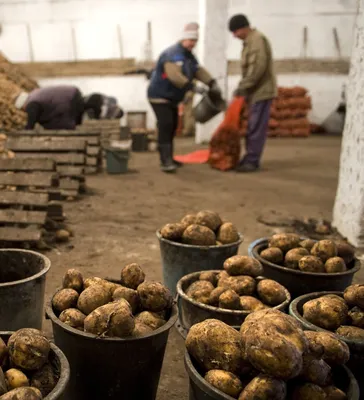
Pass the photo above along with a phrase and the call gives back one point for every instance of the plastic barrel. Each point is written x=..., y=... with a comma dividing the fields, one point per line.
x=207, y=108
x=202, y=390
x=112, y=368
x=356, y=361
x=299, y=282
x=22, y=286
x=191, y=312
x=180, y=259
x=60, y=364
x=116, y=160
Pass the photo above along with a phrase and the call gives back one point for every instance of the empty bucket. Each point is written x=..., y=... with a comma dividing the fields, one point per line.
x=117, y=157
x=208, y=107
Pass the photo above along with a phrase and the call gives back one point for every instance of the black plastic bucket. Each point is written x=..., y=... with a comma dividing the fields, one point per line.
x=180, y=259
x=208, y=107
x=60, y=364
x=22, y=286
x=191, y=312
x=202, y=390
x=112, y=368
x=299, y=283
x=356, y=362
x=140, y=141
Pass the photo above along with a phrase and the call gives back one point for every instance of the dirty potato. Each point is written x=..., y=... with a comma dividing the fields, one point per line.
x=73, y=317
x=201, y=286
x=345, y=251
x=284, y=241
x=227, y=233
x=172, y=231
x=73, y=280
x=354, y=295
x=315, y=371
x=351, y=332
x=93, y=297
x=154, y=296
x=140, y=330
x=150, y=319
x=264, y=387
x=3, y=353
x=65, y=298
x=109, y=286
x=229, y=300
x=311, y=264
x=222, y=275
x=23, y=393
x=308, y=244
x=208, y=276
x=15, y=379
x=215, y=295
x=208, y=218
x=356, y=316
x=198, y=235
x=334, y=393
x=188, y=220
x=273, y=255
x=324, y=249
x=308, y=391
x=130, y=295
x=3, y=387
x=271, y=292
x=44, y=379
x=243, y=265
x=335, y=264
x=132, y=276
x=293, y=256
x=242, y=285
x=224, y=381
x=250, y=303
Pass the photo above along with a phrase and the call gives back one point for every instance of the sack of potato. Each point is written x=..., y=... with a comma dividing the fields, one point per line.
x=271, y=358
x=236, y=287
x=26, y=371
x=206, y=228
x=129, y=309
x=324, y=256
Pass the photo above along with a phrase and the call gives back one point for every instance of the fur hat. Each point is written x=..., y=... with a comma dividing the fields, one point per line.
x=190, y=31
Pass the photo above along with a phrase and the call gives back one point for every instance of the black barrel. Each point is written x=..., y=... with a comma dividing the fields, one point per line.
x=22, y=286
x=356, y=362
x=299, y=282
x=112, y=368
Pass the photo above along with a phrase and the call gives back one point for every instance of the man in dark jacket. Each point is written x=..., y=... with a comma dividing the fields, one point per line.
x=172, y=78
x=99, y=106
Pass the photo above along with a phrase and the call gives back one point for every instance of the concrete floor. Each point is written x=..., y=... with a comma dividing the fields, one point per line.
x=116, y=225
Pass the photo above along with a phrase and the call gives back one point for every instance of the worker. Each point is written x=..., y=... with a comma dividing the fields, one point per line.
x=258, y=87
x=99, y=106
x=171, y=79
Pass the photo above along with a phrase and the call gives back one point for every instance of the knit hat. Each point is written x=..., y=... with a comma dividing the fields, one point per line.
x=238, y=21
x=21, y=100
x=190, y=31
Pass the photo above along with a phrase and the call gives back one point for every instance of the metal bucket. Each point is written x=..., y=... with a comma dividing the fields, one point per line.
x=356, y=361
x=191, y=312
x=60, y=364
x=180, y=259
x=112, y=368
x=22, y=286
x=116, y=160
x=208, y=107
x=299, y=282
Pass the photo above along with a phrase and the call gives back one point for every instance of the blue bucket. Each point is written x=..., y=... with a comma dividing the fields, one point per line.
x=116, y=160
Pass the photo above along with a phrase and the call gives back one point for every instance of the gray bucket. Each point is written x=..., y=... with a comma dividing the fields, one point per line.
x=116, y=160
x=180, y=259
x=22, y=286
x=208, y=107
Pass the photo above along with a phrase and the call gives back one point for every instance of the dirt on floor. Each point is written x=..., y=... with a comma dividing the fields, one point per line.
x=116, y=225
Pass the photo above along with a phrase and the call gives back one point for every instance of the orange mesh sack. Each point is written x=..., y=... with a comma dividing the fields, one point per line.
x=225, y=143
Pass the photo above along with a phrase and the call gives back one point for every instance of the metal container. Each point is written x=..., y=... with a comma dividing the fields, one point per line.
x=208, y=108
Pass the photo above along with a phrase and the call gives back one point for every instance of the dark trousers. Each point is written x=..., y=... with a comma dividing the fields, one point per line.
x=257, y=131
x=167, y=121
x=77, y=107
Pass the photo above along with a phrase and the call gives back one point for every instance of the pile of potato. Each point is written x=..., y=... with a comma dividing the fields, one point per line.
x=324, y=256
x=205, y=228
x=235, y=288
x=26, y=371
x=344, y=316
x=271, y=358
x=133, y=308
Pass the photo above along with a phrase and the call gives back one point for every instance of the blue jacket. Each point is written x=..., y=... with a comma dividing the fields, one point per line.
x=160, y=87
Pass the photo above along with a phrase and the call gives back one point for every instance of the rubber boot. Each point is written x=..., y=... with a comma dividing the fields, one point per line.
x=167, y=164
x=178, y=164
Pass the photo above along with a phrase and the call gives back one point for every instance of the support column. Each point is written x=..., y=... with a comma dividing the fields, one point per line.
x=213, y=19
x=349, y=204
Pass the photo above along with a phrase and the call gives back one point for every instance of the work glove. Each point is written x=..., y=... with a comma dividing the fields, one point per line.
x=214, y=88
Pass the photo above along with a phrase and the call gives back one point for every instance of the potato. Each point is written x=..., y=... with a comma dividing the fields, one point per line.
x=130, y=295
x=354, y=295
x=65, y=298
x=324, y=249
x=273, y=255
x=335, y=264
x=293, y=256
x=3, y=353
x=140, y=330
x=325, y=312
x=335, y=297
x=315, y=371
x=345, y=251
x=351, y=332
x=308, y=391
x=224, y=381
x=308, y=244
x=3, y=387
x=222, y=275
x=109, y=286
x=113, y=319
x=200, y=291
x=208, y=276
x=93, y=297
x=311, y=264
x=356, y=316
x=215, y=345
x=44, y=379
x=243, y=265
x=210, y=219
x=227, y=233
x=264, y=387
x=284, y=241
x=172, y=231
x=328, y=346
x=334, y=393
x=198, y=235
x=242, y=285
x=24, y=393
x=28, y=349
x=271, y=292
x=188, y=220
x=15, y=378
x=215, y=295
x=249, y=303
x=73, y=280
x=73, y=317
x=132, y=276
x=154, y=296
x=150, y=319
x=229, y=300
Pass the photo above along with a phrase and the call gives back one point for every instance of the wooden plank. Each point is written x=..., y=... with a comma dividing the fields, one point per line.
x=40, y=145
x=69, y=193
x=24, y=198
x=91, y=160
x=53, y=194
x=23, y=217
x=37, y=179
x=91, y=170
x=70, y=170
x=9, y=234
x=54, y=133
x=92, y=140
x=59, y=158
x=66, y=183
x=93, y=150
x=42, y=164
